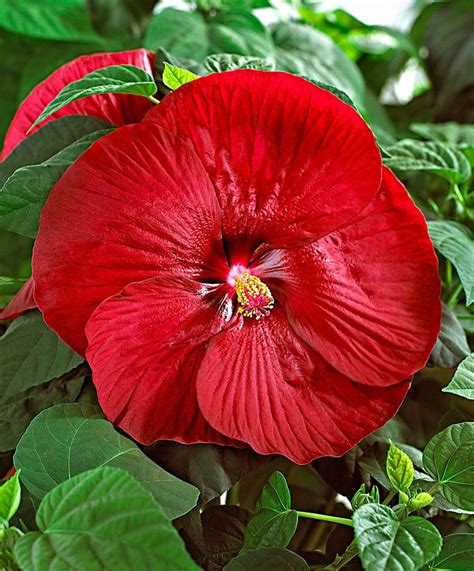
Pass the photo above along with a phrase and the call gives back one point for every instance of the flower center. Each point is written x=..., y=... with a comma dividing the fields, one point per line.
x=254, y=298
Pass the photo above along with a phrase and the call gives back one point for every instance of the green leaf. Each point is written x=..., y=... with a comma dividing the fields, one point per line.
x=457, y=553
x=438, y=158
x=334, y=90
x=449, y=460
x=455, y=242
x=47, y=461
x=10, y=497
x=228, y=62
x=462, y=383
x=387, y=544
x=268, y=559
x=48, y=19
x=459, y=135
x=49, y=141
x=119, y=18
x=305, y=51
x=174, y=77
x=31, y=354
x=128, y=79
x=25, y=193
x=17, y=412
x=451, y=346
x=9, y=286
x=102, y=519
x=274, y=523
x=400, y=469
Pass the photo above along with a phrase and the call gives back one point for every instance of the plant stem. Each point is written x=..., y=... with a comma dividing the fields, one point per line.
x=389, y=498
x=153, y=99
x=341, y=560
x=329, y=518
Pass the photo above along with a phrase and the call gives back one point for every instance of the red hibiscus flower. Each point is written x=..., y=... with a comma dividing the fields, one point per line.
x=239, y=268
x=117, y=109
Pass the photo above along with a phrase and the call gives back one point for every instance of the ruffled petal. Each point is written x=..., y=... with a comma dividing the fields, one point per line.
x=289, y=161
x=145, y=347
x=261, y=384
x=367, y=296
x=135, y=203
x=117, y=109
x=22, y=301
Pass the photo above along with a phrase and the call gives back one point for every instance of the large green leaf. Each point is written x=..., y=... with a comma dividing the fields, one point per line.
x=268, y=559
x=457, y=553
x=25, y=192
x=102, y=519
x=438, y=158
x=451, y=346
x=31, y=354
x=304, y=51
x=455, y=242
x=449, y=460
x=388, y=544
x=47, y=461
x=274, y=523
x=462, y=383
x=49, y=19
x=460, y=135
x=10, y=497
x=16, y=413
x=122, y=19
x=128, y=79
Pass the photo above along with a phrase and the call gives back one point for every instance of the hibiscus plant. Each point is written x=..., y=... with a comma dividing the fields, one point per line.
x=237, y=274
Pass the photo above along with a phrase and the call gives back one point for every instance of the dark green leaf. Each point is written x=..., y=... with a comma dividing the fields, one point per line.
x=10, y=496
x=47, y=461
x=452, y=346
x=128, y=79
x=174, y=77
x=334, y=90
x=274, y=523
x=462, y=383
x=49, y=19
x=460, y=135
x=121, y=18
x=399, y=469
x=449, y=460
x=228, y=62
x=434, y=157
x=17, y=412
x=268, y=559
x=457, y=553
x=25, y=193
x=387, y=544
x=455, y=242
x=110, y=521
x=31, y=354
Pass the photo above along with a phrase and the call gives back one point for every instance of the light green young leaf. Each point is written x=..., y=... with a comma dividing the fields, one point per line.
x=449, y=460
x=128, y=79
x=274, y=523
x=400, y=469
x=31, y=354
x=174, y=77
x=10, y=496
x=45, y=461
x=386, y=543
x=102, y=519
x=438, y=158
x=462, y=383
x=456, y=243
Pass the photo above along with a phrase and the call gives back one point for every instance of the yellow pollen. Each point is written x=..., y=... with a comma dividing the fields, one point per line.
x=254, y=298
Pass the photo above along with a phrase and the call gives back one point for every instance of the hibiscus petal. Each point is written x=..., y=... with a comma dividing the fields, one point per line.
x=22, y=301
x=117, y=109
x=136, y=202
x=367, y=296
x=145, y=347
x=289, y=160
x=261, y=384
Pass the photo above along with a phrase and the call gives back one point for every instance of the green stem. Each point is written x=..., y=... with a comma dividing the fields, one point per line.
x=433, y=488
x=389, y=498
x=329, y=518
x=153, y=99
x=454, y=296
x=341, y=560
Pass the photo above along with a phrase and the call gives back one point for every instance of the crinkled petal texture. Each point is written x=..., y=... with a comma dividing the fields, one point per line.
x=366, y=297
x=265, y=170
x=117, y=109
